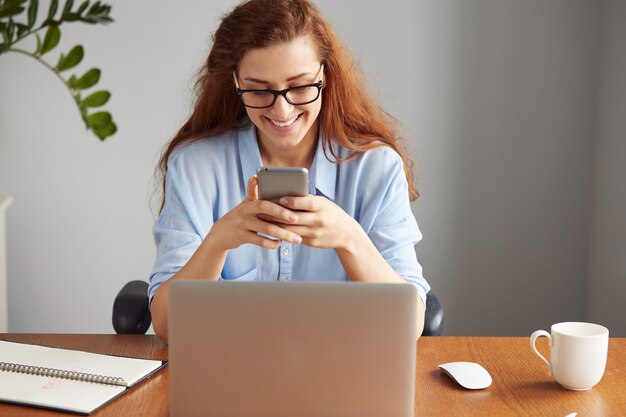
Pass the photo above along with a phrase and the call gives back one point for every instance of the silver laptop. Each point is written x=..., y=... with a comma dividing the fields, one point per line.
x=269, y=349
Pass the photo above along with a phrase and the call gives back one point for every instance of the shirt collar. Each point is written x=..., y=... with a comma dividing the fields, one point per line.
x=322, y=174
x=249, y=154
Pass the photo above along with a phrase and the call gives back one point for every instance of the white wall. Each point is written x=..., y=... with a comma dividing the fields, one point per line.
x=499, y=102
x=607, y=277
x=519, y=162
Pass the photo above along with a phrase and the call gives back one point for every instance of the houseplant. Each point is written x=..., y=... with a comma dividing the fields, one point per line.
x=18, y=21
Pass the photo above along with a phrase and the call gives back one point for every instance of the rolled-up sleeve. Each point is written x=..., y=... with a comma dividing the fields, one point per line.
x=394, y=230
x=175, y=235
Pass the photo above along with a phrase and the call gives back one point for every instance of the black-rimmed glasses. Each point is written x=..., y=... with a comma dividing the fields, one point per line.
x=296, y=96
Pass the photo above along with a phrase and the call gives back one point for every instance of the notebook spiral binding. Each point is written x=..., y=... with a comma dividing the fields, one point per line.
x=61, y=374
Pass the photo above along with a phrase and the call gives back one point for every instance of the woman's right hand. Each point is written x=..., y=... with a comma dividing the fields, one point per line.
x=243, y=225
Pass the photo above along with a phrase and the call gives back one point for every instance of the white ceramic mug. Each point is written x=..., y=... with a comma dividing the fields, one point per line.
x=577, y=351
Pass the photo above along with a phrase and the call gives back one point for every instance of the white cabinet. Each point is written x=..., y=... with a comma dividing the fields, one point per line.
x=5, y=202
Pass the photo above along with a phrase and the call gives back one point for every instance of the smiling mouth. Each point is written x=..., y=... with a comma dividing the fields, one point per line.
x=285, y=124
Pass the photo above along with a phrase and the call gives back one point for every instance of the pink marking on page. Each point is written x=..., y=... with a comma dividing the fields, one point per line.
x=51, y=384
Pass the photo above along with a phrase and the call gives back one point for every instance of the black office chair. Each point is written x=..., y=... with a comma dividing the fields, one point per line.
x=131, y=314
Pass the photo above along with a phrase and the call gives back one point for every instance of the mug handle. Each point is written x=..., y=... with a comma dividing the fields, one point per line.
x=533, y=338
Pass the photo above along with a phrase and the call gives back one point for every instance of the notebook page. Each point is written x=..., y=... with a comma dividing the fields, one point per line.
x=129, y=369
x=79, y=397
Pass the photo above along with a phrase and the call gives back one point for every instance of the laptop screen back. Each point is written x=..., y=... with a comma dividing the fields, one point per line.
x=269, y=349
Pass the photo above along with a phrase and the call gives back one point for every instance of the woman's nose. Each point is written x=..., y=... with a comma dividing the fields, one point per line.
x=282, y=108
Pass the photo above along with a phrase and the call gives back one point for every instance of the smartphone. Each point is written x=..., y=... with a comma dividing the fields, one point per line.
x=275, y=183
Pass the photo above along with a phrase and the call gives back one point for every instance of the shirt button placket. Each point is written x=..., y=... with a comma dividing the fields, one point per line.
x=286, y=262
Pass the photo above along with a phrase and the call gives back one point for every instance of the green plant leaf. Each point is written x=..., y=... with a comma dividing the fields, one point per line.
x=97, y=99
x=10, y=31
x=67, y=9
x=8, y=4
x=38, y=39
x=71, y=17
x=72, y=59
x=89, y=79
x=72, y=83
x=105, y=131
x=83, y=112
x=32, y=13
x=51, y=40
x=10, y=10
x=82, y=7
x=21, y=29
x=53, y=9
x=97, y=13
x=99, y=119
x=94, y=8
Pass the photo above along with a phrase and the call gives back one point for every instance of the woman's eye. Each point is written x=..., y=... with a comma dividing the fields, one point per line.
x=299, y=91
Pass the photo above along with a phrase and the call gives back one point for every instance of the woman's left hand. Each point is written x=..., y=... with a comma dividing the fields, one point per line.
x=321, y=223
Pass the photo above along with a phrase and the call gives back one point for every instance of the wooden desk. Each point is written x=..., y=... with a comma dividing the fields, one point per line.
x=521, y=386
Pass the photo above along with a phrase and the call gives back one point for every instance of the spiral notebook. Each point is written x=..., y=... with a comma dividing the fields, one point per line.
x=68, y=380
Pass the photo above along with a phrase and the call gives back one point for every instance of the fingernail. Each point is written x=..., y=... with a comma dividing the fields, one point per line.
x=296, y=239
x=293, y=217
x=283, y=201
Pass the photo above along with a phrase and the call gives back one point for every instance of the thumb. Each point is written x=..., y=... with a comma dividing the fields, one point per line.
x=253, y=193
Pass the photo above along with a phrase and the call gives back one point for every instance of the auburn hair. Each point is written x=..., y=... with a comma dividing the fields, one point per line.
x=348, y=115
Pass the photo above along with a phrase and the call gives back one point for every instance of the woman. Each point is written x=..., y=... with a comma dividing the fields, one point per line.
x=278, y=89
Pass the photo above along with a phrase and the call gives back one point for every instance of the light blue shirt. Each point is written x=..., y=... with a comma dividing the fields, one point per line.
x=207, y=178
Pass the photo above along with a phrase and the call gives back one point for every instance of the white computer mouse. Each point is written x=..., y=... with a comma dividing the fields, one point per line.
x=469, y=375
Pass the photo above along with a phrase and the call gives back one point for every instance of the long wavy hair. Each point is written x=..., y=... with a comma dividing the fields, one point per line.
x=348, y=115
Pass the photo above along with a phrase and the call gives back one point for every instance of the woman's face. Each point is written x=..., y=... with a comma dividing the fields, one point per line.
x=283, y=129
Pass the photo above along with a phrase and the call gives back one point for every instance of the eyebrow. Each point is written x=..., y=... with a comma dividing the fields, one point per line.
x=295, y=77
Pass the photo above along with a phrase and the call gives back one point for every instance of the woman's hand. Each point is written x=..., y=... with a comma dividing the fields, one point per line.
x=244, y=223
x=321, y=223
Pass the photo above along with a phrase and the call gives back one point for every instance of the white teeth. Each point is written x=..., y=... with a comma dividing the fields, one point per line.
x=287, y=123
